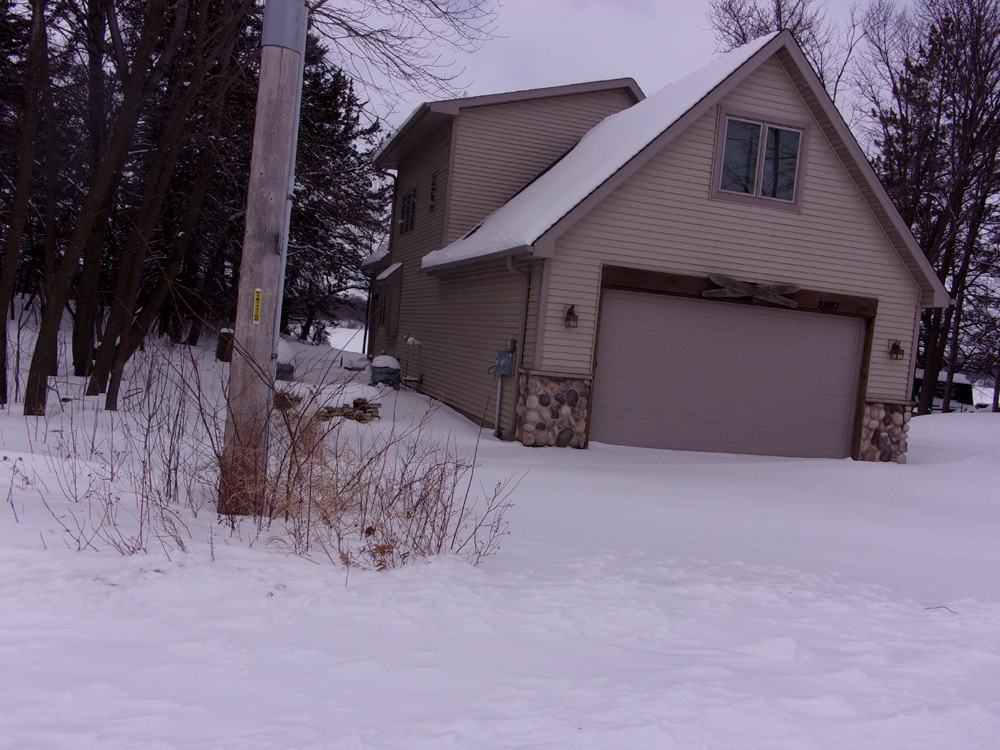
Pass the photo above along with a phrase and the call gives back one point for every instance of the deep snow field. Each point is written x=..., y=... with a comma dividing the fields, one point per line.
x=643, y=599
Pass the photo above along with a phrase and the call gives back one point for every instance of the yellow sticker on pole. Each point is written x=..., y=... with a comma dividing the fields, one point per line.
x=256, y=306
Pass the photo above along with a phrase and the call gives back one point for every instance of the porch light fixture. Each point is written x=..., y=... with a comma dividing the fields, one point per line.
x=896, y=350
x=572, y=319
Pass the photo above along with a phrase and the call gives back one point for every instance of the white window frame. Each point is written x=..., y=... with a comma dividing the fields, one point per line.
x=795, y=204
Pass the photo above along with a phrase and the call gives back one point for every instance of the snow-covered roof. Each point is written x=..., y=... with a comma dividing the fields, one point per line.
x=943, y=376
x=388, y=272
x=604, y=150
x=377, y=256
x=428, y=118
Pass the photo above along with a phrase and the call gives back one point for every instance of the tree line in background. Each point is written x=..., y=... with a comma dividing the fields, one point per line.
x=921, y=84
x=125, y=140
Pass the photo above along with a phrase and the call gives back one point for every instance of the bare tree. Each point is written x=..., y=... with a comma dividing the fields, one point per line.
x=37, y=53
x=122, y=163
x=393, y=46
x=932, y=81
x=145, y=69
x=828, y=45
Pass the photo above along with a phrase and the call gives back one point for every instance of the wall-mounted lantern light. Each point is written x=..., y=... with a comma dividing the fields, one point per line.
x=896, y=350
x=572, y=319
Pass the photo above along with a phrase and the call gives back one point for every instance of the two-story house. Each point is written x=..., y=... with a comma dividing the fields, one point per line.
x=715, y=267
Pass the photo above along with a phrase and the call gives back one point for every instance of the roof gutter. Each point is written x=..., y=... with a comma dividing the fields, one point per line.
x=480, y=263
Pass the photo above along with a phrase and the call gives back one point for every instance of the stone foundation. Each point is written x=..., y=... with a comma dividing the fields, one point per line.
x=552, y=411
x=883, y=432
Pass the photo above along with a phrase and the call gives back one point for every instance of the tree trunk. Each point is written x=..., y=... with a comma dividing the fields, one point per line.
x=996, y=384
x=952, y=354
x=932, y=361
x=307, y=324
x=938, y=338
x=88, y=301
x=51, y=176
x=153, y=303
x=111, y=355
x=87, y=298
x=136, y=88
x=37, y=52
x=171, y=143
x=199, y=310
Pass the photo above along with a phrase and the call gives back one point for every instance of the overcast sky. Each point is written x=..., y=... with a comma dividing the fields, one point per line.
x=552, y=42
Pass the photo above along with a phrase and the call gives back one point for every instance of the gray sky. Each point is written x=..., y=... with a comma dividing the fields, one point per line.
x=552, y=42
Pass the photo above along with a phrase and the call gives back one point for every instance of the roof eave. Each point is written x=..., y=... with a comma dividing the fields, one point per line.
x=394, y=151
x=480, y=263
x=546, y=241
x=387, y=156
x=932, y=291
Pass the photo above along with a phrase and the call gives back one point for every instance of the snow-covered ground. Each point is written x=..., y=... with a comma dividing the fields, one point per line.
x=643, y=599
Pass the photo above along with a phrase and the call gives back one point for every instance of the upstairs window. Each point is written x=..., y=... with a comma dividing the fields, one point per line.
x=739, y=162
x=759, y=160
x=432, y=196
x=408, y=211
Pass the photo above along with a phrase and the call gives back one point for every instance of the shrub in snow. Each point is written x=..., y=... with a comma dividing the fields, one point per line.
x=130, y=474
x=373, y=495
x=376, y=499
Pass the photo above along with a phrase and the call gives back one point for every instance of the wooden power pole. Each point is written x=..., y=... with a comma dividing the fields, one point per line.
x=262, y=269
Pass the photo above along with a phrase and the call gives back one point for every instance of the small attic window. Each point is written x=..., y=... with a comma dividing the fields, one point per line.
x=759, y=161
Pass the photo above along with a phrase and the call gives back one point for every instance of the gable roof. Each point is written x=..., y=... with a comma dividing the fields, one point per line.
x=531, y=221
x=429, y=117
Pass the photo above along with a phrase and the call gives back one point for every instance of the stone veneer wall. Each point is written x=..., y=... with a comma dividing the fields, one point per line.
x=883, y=432
x=552, y=411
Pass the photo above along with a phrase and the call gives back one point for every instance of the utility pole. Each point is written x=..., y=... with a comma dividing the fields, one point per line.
x=262, y=269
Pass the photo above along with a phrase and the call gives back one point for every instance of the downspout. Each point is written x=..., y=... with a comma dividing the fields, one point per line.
x=519, y=356
x=369, y=331
x=368, y=313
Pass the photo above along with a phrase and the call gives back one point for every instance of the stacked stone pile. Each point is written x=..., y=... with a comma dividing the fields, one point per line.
x=884, y=432
x=361, y=411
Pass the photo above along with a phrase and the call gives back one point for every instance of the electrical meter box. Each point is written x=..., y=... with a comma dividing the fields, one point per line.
x=505, y=364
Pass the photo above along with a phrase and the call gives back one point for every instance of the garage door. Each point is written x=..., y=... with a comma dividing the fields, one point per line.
x=692, y=374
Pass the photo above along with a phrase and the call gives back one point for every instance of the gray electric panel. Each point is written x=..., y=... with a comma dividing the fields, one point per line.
x=505, y=364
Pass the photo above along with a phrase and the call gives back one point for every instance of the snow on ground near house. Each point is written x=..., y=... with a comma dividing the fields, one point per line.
x=347, y=339
x=643, y=599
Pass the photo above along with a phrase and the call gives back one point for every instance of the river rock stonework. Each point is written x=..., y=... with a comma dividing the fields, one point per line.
x=552, y=411
x=883, y=432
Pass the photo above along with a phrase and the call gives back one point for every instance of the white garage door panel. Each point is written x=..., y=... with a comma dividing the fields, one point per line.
x=700, y=375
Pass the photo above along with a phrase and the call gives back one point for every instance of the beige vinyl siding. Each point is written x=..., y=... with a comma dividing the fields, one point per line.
x=461, y=322
x=663, y=219
x=531, y=319
x=426, y=235
x=500, y=148
x=473, y=318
